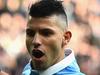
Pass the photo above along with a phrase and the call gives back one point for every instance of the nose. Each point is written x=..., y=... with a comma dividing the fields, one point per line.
x=36, y=41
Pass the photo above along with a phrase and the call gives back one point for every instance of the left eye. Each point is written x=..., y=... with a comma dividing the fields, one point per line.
x=46, y=32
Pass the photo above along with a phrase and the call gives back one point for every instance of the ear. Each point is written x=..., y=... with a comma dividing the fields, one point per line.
x=66, y=38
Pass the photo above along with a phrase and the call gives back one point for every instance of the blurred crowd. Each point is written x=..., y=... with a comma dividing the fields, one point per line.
x=84, y=23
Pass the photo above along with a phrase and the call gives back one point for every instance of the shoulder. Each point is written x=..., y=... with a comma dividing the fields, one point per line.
x=27, y=69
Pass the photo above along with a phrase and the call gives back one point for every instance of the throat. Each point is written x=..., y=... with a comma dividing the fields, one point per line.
x=32, y=66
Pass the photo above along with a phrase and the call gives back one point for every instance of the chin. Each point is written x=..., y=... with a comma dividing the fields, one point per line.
x=39, y=64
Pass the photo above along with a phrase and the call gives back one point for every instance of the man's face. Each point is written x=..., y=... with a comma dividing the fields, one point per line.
x=44, y=41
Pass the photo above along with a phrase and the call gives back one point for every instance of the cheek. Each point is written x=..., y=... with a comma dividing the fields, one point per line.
x=28, y=44
x=54, y=47
x=53, y=52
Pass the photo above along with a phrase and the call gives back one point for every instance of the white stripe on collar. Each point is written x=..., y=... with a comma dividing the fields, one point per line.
x=60, y=65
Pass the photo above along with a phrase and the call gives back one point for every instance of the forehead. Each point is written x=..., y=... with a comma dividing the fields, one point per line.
x=54, y=20
x=44, y=19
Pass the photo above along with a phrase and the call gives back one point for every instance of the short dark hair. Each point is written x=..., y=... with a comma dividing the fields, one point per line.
x=45, y=8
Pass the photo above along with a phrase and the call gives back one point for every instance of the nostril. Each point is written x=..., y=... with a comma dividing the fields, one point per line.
x=36, y=45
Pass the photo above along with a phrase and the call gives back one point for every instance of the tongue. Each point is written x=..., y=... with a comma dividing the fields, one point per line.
x=37, y=53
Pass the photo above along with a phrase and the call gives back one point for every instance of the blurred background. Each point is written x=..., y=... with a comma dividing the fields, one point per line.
x=84, y=23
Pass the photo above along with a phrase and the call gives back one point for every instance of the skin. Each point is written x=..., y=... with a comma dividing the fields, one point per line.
x=51, y=39
x=3, y=73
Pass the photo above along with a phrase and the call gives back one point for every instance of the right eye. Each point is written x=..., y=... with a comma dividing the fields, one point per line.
x=30, y=32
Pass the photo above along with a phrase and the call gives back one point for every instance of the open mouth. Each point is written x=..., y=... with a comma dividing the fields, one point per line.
x=37, y=53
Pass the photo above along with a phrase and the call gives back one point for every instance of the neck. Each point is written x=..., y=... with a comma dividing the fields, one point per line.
x=59, y=58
